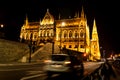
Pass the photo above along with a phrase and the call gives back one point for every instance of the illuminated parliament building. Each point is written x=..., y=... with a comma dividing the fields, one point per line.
x=71, y=33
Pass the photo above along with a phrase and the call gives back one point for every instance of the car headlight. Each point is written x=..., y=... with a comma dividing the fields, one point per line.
x=47, y=61
x=67, y=62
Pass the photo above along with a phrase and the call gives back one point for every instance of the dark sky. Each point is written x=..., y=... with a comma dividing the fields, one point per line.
x=106, y=13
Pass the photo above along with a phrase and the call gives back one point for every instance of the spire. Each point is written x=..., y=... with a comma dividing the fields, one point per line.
x=78, y=15
x=82, y=13
x=47, y=10
x=40, y=21
x=59, y=16
x=95, y=50
x=94, y=28
x=85, y=18
x=26, y=21
x=75, y=15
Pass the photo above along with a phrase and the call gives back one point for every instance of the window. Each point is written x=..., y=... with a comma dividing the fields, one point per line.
x=44, y=33
x=64, y=46
x=31, y=36
x=41, y=34
x=81, y=25
x=81, y=34
x=47, y=33
x=70, y=34
x=52, y=34
x=70, y=46
x=65, y=35
x=76, y=46
x=81, y=46
x=60, y=34
x=81, y=40
x=76, y=34
x=35, y=36
x=70, y=40
x=26, y=36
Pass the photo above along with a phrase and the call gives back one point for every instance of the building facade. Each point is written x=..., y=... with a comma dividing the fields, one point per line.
x=71, y=33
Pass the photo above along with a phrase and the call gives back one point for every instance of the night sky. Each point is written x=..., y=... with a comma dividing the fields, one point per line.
x=105, y=12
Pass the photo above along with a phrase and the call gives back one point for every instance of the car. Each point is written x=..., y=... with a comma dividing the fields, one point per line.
x=117, y=58
x=63, y=63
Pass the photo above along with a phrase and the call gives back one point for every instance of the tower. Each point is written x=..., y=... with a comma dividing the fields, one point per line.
x=95, y=51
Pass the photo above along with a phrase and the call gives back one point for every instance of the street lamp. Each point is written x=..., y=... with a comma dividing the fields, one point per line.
x=63, y=24
x=78, y=37
x=2, y=34
x=30, y=47
x=54, y=34
x=1, y=25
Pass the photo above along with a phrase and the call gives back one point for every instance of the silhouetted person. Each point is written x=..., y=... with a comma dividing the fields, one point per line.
x=33, y=48
x=107, y=71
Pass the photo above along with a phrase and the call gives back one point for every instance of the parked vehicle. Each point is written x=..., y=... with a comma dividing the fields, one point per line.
x=63, y=63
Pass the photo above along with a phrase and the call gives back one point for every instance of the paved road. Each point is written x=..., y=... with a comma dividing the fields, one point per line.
x=31, y=71
x=89, y=67
x=117, y=73
x=17, y=71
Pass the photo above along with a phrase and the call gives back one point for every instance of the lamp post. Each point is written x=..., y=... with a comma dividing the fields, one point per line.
x=60, y=39
x=2, y=31
x=1, y=25
x=54, y=34
x=78, y=37
x=30, y=47
x=63, y=24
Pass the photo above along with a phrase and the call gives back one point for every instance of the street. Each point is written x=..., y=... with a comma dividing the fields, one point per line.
x=17, y=71
x=35, y=72
x=89, y=67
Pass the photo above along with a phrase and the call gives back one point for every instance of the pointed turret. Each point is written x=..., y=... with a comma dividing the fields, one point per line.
x=40, y=21
x=26, y=20
x=75, y=15
x=78, y=15
x=95, y=50
x=82, y=13
x=59, y=16
x=94, y=31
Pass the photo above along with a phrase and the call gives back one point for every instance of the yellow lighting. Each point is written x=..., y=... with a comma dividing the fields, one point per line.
x=63, y=23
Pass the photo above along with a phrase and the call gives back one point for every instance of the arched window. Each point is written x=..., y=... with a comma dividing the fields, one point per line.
x=65, y=34
x=35, y=36
x=51, y=33
x=76, y=34
x=70, y=34
x=44, y=33
x=47, y=33
x=41, y=33
x=81, y=25
x=31, y=36
x=81, y=34
x=26, y=36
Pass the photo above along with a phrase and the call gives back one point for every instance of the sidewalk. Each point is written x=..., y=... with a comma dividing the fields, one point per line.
x=117, y=72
